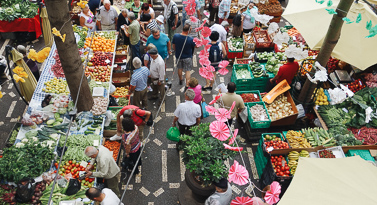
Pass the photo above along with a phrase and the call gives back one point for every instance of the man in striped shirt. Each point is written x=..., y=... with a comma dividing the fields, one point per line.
x=139, y=84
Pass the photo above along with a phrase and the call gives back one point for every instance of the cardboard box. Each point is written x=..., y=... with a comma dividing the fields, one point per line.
x=121, y=79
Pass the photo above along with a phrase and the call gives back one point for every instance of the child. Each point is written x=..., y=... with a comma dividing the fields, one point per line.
x=160, y=22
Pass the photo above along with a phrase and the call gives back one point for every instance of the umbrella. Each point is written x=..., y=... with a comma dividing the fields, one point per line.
x=312, y=20
x=242, y=201
x=238, y=174
x=46, y=28
x=338, y=181
x=272, y=196
x=219, y=130
x=27, y=88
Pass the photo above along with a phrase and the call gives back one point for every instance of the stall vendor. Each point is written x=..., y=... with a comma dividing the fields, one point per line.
x=286, y=71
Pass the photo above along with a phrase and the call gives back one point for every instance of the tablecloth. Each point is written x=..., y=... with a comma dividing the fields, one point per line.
x=22, y=25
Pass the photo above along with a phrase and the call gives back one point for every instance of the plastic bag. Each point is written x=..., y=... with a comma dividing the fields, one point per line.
x=173, y=134
x=73, y=187
x=205, y=112
x=25, y=190
x=27, y=121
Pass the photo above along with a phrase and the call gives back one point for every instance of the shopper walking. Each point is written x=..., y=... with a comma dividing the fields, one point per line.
x=86, y=18
x=148, y=25
x=226, y=101
x=171, y=15
x=224, y=10
x=107, y=168
x=213, y=11
x=161, y=25
x=107, y=17
x=133, y=32
x=184, y=48
x=132, y=143
x=106, y=196
x=222, y=30
x=161, y=41
x=248, y=19
x=194, y=85
x=187, y=114
x=157, y=75
x=138, y=84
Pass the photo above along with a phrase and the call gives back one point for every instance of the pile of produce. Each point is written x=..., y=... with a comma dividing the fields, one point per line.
x=7, y=194
x=258, y=113
x=11, y=10
x=82, y=32
x=344, y=137
x=234, y=9
x=280, y=108
x=101, y=59
x=100, y=44
x=242, y=61
x=332, y=65
x=265, y=55
x=259, y=72
x=326, y=154
x=356, y=85
x=94, y=84
x=99, y=106
x=57, y=68
x=269, y=8
x=106, y=34
x=318, y=136
x=321, y=98
x=123, y=101
x=59, y=194
x=56, y=86
x=261, y=37
x=293, y=157
x=367, y=135
x=273, y=64
x=119, y=59
x=249, y=39
x=293, y=32
x=297, y=139
x=19, y=162
x=371, y=80
x=305, y=68
x=250, y=97
x=99, y=73
x=280, y=166
x=121, y=91
x=242, y=73
x=235, y=44
x=275, y=142
x=113, y=146
x=13, y=137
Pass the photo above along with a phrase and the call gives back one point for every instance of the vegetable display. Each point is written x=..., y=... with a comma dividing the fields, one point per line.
x=356, y=85
x=326, y=154
x=57, y=68
x=275, y=142
x=11, y=10
x=94, y=84
x=243, y=73
x=280, y=166
x=318, y=136
x=99, y=106
x=367, y=135
x=121, y=91
x=258, y=113
x=19, y=162
x=280, y=108
x=250, y=97
x=257, y=70
x=123, y=101
x=82, y=32
x=297, y=139
x=345, y=137
x=235, y=44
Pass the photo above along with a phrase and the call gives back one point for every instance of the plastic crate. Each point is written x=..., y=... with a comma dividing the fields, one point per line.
x=266, y=44
x=261, y=88
x=233, y=54
x=241, y=81
x=259, y=124
x=256, y=92
x=365, y=154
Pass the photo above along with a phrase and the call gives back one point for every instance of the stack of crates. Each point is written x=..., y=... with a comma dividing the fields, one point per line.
x=242, y=83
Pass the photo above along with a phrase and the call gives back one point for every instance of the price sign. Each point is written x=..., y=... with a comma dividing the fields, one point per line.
x=255, y=96
x=95, y=143
x=269, y=149
x=345, y=110
x=84, y=164
x=98, y=131
x=124, y=60
x=123, y=52
x=99, y=83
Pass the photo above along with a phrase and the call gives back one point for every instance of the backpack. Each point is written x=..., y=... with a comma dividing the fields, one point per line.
x=150, y=120
x=214, y=53
x=171, y=19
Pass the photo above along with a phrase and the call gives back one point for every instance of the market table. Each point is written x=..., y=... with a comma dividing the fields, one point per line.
x=22, y=25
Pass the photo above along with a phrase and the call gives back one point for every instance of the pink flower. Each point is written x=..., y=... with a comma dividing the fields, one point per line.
x=206, y=47
x=232, y=148
x=219, y=130
x=214, y=100
x=211, y=109
x=232, y=107
x=203, y=53
x=242, y=201
x=194, y=19
x=231, y=141
x=206, y=32
x=223, y=64
x=238, y=174
x=204, y=62
x=223, y=71
x=222, y=115
x=190, y=9
x=272, y=196
x=203, y=71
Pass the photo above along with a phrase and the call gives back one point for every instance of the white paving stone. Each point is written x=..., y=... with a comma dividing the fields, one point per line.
x=169, y=114
x=11, y=108
x=157, y=141
x=173, y=146
x=174, y=185
x=158, y=192
x=252, y=163
x=164, y=159
x=236, y=190
x=144, y=191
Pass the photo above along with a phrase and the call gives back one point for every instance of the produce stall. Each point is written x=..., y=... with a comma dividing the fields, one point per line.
x=41, y=135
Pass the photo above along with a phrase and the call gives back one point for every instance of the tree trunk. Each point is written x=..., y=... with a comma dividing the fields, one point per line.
x=328, y=45
x=69, y=54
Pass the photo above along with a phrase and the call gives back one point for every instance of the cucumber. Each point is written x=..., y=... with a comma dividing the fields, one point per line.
x=50, y=122
x=91, y=129
x=88, y=132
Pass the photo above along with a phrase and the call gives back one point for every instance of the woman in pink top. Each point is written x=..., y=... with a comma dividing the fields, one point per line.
x=194, y=85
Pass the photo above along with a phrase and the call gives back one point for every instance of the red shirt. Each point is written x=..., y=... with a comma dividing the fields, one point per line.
x=137, y=120
x=287, y=72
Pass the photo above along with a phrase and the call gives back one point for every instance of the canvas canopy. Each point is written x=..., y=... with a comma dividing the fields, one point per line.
x=339, y=181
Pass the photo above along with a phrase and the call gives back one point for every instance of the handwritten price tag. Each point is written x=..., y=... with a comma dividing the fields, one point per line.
x=95, y=143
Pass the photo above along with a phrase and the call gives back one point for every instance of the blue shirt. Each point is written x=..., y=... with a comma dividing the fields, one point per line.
x=179, y=40
x=139, y=78
x=161, y=44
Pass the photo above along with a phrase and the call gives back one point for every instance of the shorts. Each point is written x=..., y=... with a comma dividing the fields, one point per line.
x=185, y=64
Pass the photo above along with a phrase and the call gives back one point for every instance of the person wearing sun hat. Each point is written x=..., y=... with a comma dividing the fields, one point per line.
x=223, y=194
x=160, y=21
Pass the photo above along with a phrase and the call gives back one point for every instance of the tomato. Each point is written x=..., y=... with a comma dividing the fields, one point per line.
x=279, y=160
x=77, y=165
x=91, y=180
x=67, y=171
x=281, y=173
x=281, y=156
x=287, y=172
x=56, y=164
x=86, y=178
x=55, y=171
x=279, y=163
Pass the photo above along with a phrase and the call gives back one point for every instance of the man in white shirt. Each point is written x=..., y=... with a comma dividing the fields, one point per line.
x=221, y=29
x=108, y=17
x=157, y=71
x=187, y=114
x=106, y=197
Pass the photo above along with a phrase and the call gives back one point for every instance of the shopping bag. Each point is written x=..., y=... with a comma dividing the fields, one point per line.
x=173, y=134
x=205, y=112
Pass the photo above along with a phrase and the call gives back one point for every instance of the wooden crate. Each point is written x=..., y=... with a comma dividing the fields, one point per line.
x=289, y=120
x=121, y=79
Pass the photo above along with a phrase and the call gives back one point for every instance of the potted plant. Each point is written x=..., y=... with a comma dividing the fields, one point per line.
x=204, y=158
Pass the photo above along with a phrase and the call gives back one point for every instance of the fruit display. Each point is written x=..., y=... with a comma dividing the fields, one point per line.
x=119, y=59
x=242, y=61
x=56, y=85
x=297, y=139
x=326, y=154
x=261, y=37
x=250, y=97
x=293, y=157
x=101, y=59
x=94, y=84
x=280, y=108
x=275, y=142
x=121, y=51
x=113, y=146
x=99, y=73
x=234, y=9
x=280, y=166
x=121, y=91
x=57, y=68
x=100, y=44
x=318, y=136
x=235, y=44
x=258, y=113
x=356, y=85
x=305, y=68
x=82, y=32
x=248, y=38
x=332, y=65
x=272, y=7
x=105, y=34
x=321, y=98
x=371, y=80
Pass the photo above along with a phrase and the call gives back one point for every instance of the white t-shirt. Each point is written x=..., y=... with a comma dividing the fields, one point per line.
x=111, y=198
x=187, y=113
x=221, y=30
x=247, y=22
